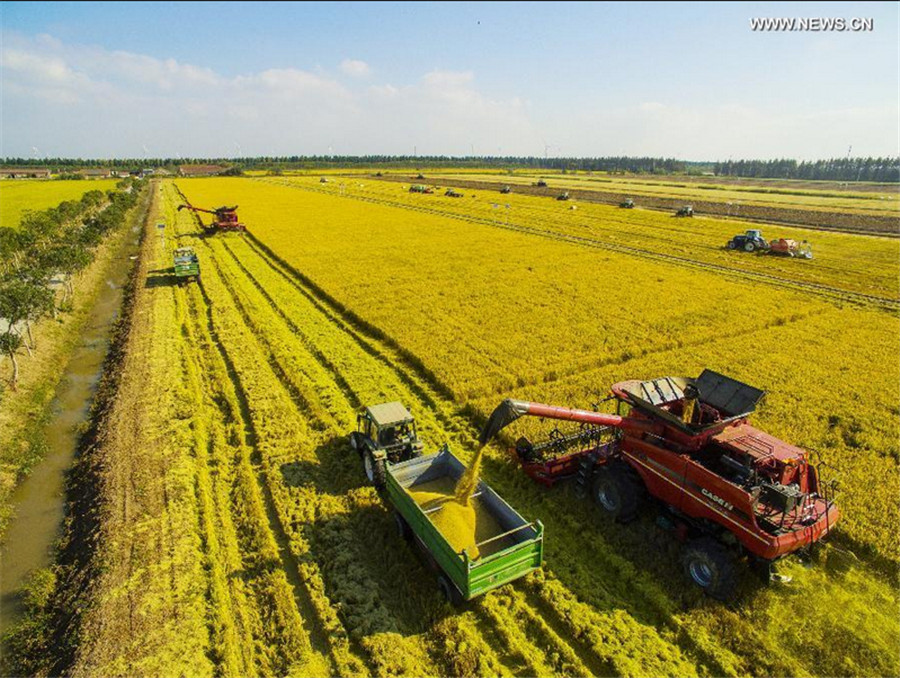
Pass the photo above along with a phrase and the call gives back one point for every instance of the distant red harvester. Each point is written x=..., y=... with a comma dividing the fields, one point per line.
x=729, y=489
x=226, y=218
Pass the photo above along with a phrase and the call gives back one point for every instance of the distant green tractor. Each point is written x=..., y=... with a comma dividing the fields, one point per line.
x=686, y=211
x=627, y=204
x=385, y=434
x=187, y=265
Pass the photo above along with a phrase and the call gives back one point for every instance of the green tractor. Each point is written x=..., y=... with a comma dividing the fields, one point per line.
x=187, y=265
x=627, y=204
x=385, y=434
x=685, y=211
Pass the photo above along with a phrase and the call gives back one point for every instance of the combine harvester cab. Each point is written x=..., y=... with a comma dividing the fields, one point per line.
x=224, y=218
x=508, y=546
x=729, y=490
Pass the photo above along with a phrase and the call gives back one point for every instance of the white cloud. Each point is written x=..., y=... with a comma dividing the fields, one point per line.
x=76, y=100
x=355, y=67
x=118, y=102
x=450, y=79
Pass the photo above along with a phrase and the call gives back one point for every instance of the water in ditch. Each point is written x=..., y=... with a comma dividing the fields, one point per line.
x=39, y=501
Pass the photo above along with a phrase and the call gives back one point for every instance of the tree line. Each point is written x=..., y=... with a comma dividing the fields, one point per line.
x=51, y=246
x=882, y=169
x=835, y=169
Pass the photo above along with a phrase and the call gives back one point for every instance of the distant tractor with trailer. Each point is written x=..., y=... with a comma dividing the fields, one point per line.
x=753, y=241
x=540, y=183
x=685, y=211
x=421, y=188
x=453, y=193
x=186, y=264
x=627, y=204
x=385, y=434
x=224, y=218
x=728, y=490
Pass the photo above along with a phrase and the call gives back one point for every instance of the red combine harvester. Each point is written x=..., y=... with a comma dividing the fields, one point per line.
x=729, y=489
x=226, y=218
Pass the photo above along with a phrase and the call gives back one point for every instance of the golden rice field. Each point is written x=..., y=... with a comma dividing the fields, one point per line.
x=19, y=195
x=238, y=535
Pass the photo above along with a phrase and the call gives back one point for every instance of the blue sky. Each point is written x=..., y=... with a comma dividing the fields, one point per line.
x=682, y=79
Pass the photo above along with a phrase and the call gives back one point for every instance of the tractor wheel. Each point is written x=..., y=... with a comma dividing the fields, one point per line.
x=708, y=565
x=375, y=469
x=449, y=591
x=731, y=245
x=618, y=492
x=403, y=529
x=749, y=247
x=356, y=442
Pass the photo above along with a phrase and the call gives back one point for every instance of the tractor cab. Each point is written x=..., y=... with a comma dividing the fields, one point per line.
x=750, y=241
x=385, y=433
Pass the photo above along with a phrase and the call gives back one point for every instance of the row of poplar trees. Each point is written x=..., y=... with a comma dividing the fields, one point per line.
x=39, y=259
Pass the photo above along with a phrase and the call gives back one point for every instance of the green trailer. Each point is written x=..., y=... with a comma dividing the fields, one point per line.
x=512, y=548
x=186, y=263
